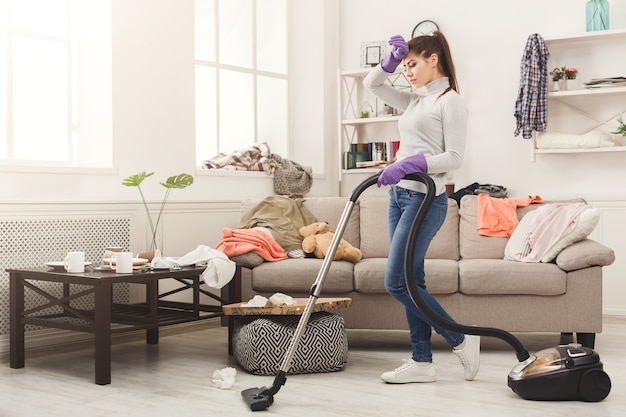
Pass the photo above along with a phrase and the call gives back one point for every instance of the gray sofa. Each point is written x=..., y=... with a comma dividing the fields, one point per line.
x=465, y=271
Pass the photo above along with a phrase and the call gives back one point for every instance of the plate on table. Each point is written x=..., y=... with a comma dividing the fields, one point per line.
x=138, y=263
x=61, y=264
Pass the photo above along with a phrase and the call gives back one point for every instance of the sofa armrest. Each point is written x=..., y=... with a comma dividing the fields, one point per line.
x=584, y=254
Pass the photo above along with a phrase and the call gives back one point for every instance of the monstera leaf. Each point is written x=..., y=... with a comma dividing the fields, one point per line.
x=176, y=181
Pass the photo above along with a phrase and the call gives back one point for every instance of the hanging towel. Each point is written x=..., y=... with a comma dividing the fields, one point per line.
x=531, y=107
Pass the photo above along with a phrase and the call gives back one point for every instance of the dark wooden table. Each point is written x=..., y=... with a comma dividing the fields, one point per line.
x=106, y=317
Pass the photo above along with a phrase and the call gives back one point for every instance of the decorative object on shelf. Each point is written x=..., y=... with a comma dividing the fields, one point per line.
x=570, y=79
x=560, y=77
x=621, y=128
x=372, y=53
x=366, y=110
x=425, y=27
x=597, y=15
x=176, y=181
x=570, y=73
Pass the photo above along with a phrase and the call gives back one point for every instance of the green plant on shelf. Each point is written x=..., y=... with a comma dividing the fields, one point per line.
x=176, y=181
x=621, y=128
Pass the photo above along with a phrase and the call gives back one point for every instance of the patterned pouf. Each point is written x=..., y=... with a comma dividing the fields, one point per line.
x=260, y=343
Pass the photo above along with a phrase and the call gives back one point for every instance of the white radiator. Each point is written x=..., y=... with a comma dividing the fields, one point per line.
x=33, y=242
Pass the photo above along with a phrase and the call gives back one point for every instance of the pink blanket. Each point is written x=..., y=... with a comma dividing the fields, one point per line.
x=240, y=241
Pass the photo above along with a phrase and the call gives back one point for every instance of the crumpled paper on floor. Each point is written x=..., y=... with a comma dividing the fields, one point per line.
x=224, y=378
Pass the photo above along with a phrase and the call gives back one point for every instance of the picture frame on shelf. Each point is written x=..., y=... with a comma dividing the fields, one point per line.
x=371, y=53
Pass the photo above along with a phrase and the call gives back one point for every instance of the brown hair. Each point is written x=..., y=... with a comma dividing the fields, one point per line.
x=426, y=45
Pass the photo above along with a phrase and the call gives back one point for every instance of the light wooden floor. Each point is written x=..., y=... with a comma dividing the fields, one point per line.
x=173, y=379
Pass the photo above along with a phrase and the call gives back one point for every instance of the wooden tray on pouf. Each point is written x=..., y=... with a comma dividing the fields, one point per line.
x=322, y=304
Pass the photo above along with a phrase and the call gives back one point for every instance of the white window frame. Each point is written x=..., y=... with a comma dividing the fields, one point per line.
x=86, y=139
x=221, y=144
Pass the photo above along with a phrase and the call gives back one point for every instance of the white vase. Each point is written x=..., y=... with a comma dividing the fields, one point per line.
x=555, y=86
x=562, y=84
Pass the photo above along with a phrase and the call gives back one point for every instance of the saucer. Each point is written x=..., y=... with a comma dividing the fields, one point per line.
x=61, y=264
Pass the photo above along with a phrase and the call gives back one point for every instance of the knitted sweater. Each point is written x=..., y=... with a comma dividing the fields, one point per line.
x=433, y=125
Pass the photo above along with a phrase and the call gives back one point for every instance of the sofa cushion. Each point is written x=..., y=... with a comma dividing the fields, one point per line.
x=500, y=277
x=297, y=275
x=328, y=209
x=441, y=276
x=472, y=245
x=584, y=254
x=375, y=231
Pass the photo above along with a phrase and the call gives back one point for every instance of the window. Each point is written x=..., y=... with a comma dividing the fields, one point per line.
x=241, y=78
x=55, y=83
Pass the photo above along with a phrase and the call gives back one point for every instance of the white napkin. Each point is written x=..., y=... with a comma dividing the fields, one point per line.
x=224, y=378
x=256, y=301
x=280, y=299
x=219, y=271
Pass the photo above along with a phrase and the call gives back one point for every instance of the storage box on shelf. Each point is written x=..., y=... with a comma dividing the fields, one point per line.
x=581, y=110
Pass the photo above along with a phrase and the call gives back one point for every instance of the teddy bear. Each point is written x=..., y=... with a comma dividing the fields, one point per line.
x=317, y=237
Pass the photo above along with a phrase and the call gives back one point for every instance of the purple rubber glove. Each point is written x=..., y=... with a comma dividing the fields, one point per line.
x=399, y=49
x=393, y=173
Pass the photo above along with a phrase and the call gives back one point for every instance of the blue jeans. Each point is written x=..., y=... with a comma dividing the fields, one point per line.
x=403, y=207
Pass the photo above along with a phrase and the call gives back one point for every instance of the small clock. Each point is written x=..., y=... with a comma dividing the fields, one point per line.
x=425, y=27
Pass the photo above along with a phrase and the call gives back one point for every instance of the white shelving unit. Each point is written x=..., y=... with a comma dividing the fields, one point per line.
x=354, y=129
x=591, y=53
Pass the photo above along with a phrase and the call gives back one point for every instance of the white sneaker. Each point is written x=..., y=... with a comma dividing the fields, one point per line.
x=468, y=354
x=411, y=371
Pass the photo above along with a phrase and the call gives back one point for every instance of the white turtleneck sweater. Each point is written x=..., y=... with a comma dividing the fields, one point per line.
x=432, y=125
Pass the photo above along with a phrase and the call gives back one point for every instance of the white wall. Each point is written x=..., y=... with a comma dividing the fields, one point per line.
x=487, y=39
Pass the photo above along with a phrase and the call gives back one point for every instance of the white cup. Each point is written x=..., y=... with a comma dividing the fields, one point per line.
x=74, y=262
x=122, y=262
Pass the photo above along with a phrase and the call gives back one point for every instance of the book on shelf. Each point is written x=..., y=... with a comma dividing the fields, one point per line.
x=606, y=82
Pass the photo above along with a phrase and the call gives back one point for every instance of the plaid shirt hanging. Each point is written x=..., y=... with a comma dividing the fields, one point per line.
x=531, y=109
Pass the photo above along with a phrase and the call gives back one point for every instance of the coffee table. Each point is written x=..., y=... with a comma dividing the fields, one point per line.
x=106, y=317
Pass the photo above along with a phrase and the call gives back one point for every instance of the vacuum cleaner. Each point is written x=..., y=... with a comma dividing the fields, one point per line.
x=564, y=372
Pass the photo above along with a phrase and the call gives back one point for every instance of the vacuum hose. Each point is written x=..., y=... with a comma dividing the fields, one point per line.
x=415, y=291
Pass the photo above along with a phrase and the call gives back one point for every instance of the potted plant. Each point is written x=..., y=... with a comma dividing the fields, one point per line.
x=176, y=181
x=621, y=128
x=560, y=77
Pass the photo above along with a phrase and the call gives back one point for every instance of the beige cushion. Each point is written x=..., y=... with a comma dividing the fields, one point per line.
x=441, y=276
x=498, y=277
x=375, y=231
x=584, y=254
x=329, y=209
x=298, y=275
x=248, y=260
x=471, y=244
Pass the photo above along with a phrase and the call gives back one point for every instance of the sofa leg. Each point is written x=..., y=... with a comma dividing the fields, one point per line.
x=566, y=338
x=586, y=339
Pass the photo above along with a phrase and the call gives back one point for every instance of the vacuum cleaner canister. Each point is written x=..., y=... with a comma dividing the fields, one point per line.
x=564, y=372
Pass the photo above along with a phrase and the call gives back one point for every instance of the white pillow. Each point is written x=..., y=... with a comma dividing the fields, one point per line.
x=518, y=245
x=587, y=221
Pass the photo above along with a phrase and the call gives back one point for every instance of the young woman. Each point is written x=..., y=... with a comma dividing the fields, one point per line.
x=432, y=141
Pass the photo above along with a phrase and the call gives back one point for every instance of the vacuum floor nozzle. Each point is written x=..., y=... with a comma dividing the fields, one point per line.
x=258, y=398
